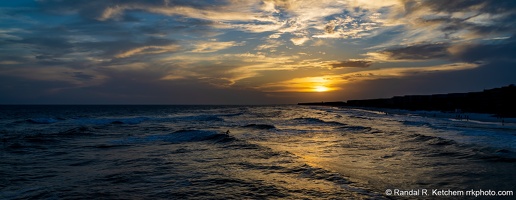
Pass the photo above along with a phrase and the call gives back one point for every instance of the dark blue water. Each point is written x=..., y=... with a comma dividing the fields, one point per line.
x=271, y=152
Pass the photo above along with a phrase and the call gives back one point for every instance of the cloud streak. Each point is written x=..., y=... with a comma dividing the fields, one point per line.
x=412, y=52
x=353, y=63
x=148, y=50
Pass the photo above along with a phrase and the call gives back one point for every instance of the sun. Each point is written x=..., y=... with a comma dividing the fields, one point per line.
x=321, y=89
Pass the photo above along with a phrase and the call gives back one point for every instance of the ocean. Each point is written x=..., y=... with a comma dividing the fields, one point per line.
x=249, y=152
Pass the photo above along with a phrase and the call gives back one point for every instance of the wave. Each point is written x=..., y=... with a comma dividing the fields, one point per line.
x=126, y=120
x=310, y=120
x=319, y=174
x=432, y=140
x=360, y=117
x=77, y=131
x=304, y=170
x=192, y=135
x=313, y=174
x=355, y=128
x=41, y=140
x=232, y=114
x=491, y=154
x=104, y=121
x=129, y=120
x=42, y=120
x=415, y=123
x=260, y=126
x=179, y=137
x=440, y=147
x=199, y=118
x=498, y=158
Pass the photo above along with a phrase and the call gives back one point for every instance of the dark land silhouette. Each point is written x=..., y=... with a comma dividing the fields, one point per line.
x=498, y=101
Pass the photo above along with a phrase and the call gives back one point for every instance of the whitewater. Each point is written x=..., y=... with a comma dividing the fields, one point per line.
x=247, y=152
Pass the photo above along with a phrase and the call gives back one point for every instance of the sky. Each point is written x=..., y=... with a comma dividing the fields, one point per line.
x=251, y=51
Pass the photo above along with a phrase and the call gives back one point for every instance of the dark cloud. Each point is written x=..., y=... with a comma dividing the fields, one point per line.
x=353, y=63
x=446, y=6
x=495, y=51
x=71, y=42
x=179, y=26
x=125, y=87
x=94, y=9
x=59, y=50
x=485, y=6
x=82, y=76
x=330, y=28
x=43, y=48
x=487, y=50
x=505, y=12
x=38, y=50
x=451, y=25
x=418, y=52
x=43, y=43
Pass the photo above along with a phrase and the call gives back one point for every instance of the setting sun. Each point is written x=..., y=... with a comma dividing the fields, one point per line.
x=321, y=89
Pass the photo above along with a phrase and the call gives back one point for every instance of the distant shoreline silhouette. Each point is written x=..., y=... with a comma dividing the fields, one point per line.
x=498, y=101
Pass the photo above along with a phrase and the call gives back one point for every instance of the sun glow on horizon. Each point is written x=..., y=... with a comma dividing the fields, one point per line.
x=321, y=88
x=319, y=84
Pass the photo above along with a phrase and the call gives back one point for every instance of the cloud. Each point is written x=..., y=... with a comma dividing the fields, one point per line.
x=486, y=6
x=83, y=76
x=351, y=27
x=112, y=8
x=477, y=18
x=208, y=47
x=400, y=72
x=503, y=50
x=297, y=16
x=299, y=41
x=126, y=87
x=225, y=70
x=68, y=77
x=302, y=19
x=412, y=52
x=87, y=44
x=148, y=50
x=336, y=81
x=352, y=63
x=10, y=34
x=270, y=45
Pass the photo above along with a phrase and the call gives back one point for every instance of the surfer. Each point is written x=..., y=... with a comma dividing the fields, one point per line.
x=227, y=132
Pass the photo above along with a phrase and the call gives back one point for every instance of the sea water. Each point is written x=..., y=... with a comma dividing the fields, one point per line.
x=246, y=152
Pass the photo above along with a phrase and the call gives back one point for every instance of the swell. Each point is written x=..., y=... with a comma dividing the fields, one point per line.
x=179, y=136
x=303, y=172
x=316, y=121
x=41, y=140
x=124, y=120
x=356, y=129
x=434, y=146
x=259, y=126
